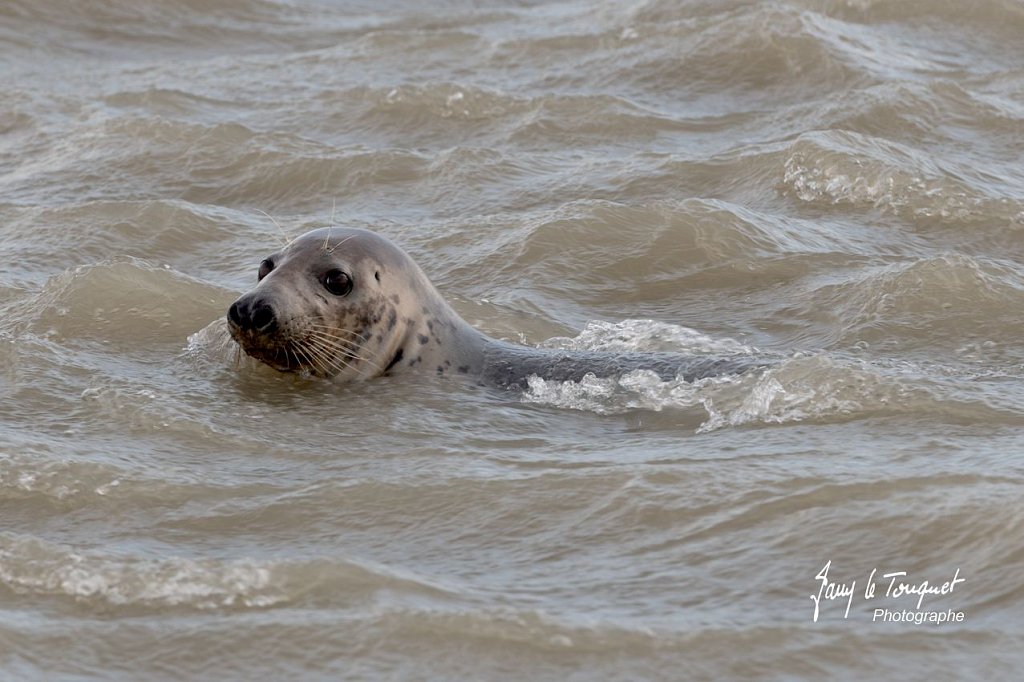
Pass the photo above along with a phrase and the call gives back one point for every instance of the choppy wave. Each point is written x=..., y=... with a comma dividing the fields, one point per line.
x=29, y=566
x=953, y=297
x=121, y=301
x=855, y=172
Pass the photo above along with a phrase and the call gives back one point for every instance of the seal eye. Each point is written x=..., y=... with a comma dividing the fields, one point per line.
x=265, y=267
x=337, y=282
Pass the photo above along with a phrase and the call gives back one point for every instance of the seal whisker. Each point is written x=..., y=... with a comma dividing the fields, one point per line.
x=313, y=360
x=324, y=361
x=340, y=350
x=334, y=331
x=284, y=234
x=340, y=347
x=301, y=358
x=351, y=344
x=329, y=334
x=336, y=345
x=299, y=362
x=289, y=357
x=338, y=355
x=327, y=237
x=335, y=247
x=334, y=361
x=330, y=326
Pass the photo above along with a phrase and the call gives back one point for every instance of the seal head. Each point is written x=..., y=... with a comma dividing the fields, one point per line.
x=349, y=304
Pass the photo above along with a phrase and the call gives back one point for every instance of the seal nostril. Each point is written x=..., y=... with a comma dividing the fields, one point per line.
x=263, y=317
x=233, y=314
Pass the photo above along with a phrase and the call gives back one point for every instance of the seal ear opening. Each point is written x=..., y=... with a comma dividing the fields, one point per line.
x=376, y=275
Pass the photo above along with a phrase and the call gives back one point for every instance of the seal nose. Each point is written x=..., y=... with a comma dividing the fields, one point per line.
x=256, y=315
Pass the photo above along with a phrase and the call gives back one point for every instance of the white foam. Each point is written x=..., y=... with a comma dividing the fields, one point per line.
x=30, y=566
x=647, y=335
x=637, y=390
x=801, y=388
x=640, y=389
x=775, y=400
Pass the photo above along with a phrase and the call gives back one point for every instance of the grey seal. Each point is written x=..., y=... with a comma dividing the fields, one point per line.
x=348, y=304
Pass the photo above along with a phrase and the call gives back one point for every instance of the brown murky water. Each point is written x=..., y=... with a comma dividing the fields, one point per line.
x=835, y=185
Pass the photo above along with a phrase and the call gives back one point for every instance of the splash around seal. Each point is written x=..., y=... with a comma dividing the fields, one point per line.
x=348, y=304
